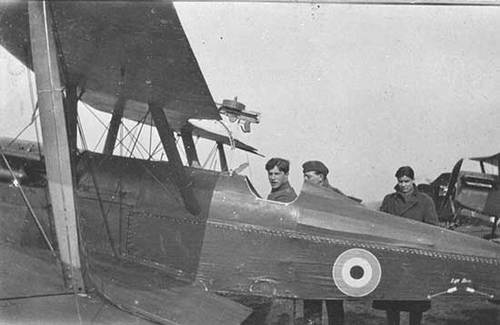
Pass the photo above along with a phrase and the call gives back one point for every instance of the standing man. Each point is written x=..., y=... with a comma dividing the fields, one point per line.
x=407, y=202
x=277, y=173
x=315, y=172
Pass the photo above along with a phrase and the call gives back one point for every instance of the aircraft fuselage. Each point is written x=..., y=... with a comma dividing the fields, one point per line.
x=322, y=245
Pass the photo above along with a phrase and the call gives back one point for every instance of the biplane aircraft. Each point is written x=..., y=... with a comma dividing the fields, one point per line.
x=97, y=237
x=469, y=200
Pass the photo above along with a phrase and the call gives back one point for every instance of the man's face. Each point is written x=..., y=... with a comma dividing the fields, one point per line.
x=313, y=177
x=276, y=177
x=405, y=184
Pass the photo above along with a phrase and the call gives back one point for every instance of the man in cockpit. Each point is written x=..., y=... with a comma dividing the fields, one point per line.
x=315, y=172
x=277, y=173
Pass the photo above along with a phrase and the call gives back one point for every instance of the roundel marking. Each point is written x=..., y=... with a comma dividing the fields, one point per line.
x=356, y=272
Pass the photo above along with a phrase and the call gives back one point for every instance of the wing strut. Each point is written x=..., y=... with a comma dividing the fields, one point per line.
x=189, y=147
x=167, y=139
x=114, y=126
x=55, y=140
x=71, y=114
x=222, y=157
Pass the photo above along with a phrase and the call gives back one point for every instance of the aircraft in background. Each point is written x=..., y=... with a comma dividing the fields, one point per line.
x=469, y=201
x=101, y=237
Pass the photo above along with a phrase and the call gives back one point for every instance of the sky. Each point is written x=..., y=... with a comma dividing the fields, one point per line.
x=365, y=89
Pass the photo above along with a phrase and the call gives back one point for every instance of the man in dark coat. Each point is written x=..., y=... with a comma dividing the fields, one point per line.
x=407, y=202
x=315, y=172
x=277, y=173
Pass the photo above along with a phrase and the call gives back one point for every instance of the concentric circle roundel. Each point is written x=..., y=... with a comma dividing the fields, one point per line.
x=356, y=272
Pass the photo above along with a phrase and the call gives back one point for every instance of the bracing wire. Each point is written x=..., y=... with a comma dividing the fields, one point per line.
x=33, y=120
x=139, y=134
x=121, y=141
x=231, y=142
x=128, y=135
x=150, y=140
x=82, y=135
x=230, y=134
x=34, y=105
x=17, y=184
x=95, y=115
x=104, y=214
x=155, y=150
x=121, y=137
x=100, y=139
x=210, y=155
x=131, y=135
x=214, y=163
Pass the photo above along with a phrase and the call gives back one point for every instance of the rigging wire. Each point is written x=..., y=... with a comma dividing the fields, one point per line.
x=150, y=140
x=34, y=117
x=139, y=133
x=210, y=155
x=34, y=105
x=155, y=150
x=104, y=214
x=17, y=184
x=121, y=141
x=230, y=134
x=214, y=163
x=127, y=149
x=129, y=134
x=95, y=115
x=100, y=139
x=121, y=137
x=232, y=144
x=82, y=135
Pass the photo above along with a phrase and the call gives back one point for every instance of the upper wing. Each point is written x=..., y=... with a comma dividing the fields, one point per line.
x=493, y=160
x=121, y=52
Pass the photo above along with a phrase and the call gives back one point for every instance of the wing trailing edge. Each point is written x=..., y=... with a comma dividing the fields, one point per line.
x=150, y=294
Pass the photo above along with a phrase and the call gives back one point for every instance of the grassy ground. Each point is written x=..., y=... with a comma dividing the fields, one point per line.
x=450, y=310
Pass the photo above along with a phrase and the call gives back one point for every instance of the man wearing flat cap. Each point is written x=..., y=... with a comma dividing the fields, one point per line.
x=315, y=172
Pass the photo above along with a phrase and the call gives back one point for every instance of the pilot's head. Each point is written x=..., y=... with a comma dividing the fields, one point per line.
x=315, y=172
x=406, y=177
x=277, y=172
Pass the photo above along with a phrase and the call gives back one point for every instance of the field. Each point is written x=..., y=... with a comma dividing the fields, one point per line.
x=449, y=310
